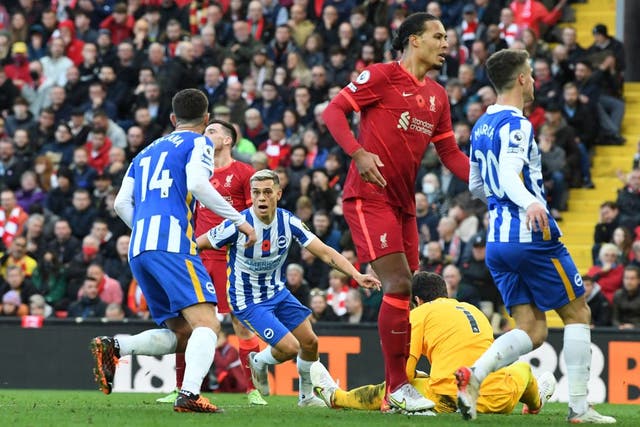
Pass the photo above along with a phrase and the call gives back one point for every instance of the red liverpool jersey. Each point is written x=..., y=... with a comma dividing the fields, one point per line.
x=400, y=116
x=232, y=182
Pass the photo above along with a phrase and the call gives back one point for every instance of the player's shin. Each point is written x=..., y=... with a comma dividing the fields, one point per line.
x=198, y=358
x=504, y=351
x=154, y=342
x=393, y=327
x=304, y=378
x=577, y=356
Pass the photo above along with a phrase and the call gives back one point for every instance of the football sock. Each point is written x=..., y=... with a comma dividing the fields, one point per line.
x=246, y=347
x=179, y=370
x=198, y=357
x=577, y=356
x=531, y=394
x=265, y=358
x=154, y=342
x=368, y=397
x=393, y=327
x=305, y=387
x=503, y=352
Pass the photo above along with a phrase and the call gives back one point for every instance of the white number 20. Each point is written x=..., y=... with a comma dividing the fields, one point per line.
x=489, y=172
x=160, y=179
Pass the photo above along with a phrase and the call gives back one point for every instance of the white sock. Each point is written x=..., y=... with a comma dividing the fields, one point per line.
x=504, y=351
x=304, y=378
x=198, y=358
x=577, y=356
x=265, y=358
x=154, y=342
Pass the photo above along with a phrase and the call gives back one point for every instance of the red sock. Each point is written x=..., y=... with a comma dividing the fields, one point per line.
x=393, y=327
x=246, y=347
x=179, y=370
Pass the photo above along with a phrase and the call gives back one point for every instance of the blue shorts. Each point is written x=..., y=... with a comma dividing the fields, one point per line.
x=540, y=273
x=271, y=320
x=171, y=282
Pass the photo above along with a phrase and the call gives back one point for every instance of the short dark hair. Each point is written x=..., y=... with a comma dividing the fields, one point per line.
x=635, y=268
x=428, y=286
x=231, y=131
x=503, y=67
x=189, y=105
x=414, y=25
x=609, y=204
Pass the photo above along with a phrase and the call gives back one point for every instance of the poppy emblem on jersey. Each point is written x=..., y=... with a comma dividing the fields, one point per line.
x=210, y=288
x=268, y=333
x=282, y=242
x=363, y=77
x=432, y=103
x=420, y=101
x=266, y=245
x=215, y=182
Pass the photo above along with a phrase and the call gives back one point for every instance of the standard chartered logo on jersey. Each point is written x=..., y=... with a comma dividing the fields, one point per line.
x=407, y=122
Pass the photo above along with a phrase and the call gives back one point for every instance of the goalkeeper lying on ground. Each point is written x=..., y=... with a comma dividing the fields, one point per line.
x=449, y=334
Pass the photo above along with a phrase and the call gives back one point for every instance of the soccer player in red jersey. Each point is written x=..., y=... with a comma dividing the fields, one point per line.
x=402, y=112
x=231, y=180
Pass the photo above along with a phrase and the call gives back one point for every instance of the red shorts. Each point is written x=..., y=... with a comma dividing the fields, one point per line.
x=217, y=268
x=378, y=229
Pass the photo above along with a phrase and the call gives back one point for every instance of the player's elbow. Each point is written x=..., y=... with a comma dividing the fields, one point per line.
x=203, y=242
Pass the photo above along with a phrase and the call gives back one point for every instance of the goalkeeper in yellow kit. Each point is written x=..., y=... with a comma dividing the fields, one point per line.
x=449, y=334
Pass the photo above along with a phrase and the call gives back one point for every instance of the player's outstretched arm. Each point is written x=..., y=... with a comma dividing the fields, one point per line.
x=123, y=204
x=331, y=257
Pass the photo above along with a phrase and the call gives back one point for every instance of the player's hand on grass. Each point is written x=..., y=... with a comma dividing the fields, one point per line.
x=537, y=217
x=368, y=281
x=246, y=229
x=368, y=164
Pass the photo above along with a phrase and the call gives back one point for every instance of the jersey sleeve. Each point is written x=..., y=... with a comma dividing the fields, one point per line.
x=366, y=89
x=246, y=188
x=516, y=137
x=224, y=234
x=202, y=153
x=300, y=231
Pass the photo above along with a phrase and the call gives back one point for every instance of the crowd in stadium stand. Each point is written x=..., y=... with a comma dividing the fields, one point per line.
x=86, y=84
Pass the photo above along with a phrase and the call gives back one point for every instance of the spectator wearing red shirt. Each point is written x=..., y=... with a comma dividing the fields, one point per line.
x=609, y=273
x=276, y=147
x=531, y=13
x=98, y=147
x=18, y=70
x=227, y=368
x=119, y=23
x=73, y=45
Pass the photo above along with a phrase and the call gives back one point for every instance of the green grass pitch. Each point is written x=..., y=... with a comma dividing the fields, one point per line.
x=39, y=408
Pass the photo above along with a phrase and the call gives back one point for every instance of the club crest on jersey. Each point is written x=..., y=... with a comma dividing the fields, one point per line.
x=282, y=242
x=517, y=142
x=577, y=279
x=363, y=77
x=268, y=333
x=383, y=241
x=228, y=180
x=432, y=103
x=210, y=288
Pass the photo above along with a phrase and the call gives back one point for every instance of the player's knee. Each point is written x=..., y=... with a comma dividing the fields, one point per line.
x=538, y=336
x=398, y=284
x=310, y=344
x=290, y=349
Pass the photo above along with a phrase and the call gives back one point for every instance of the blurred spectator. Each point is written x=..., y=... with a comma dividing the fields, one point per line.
x=12, y=217
x=109, y=289
x=320, y=310
x=316, y=272
x=356, y=312
x=432, y=260
x=532, y=14
x=39, y=307
x=227, y=374
x=50, y=279
x=59, y=198
x=21, y=118
x=598, y=304
x=15, y=280
x=18, y=69
x=35, y=236
x=8, y=92
x=605, y=45
x=270, y=106
x=117, y=266
x=276, y=147
x=608, y=273
x=136, y=303
x=460, y=211
x=322, y=196
x=83, y=174
x=554, y=167
x=55, y=65
x=89, y=305
x=41, y=132
x=64, y=246
x=574, y=50
x=214, y=85
x=11, y=167
x=579, y=116
x=451, y=244
x=16, y=256
x=114, y=312
x=119, y=24
x=458, y=290
x=623, y=239
x=626, y=301
x=608, y=222
x=313, y=52
x=629, y=201
x=323, y=228
x=81, y=213
x=296, y=283
x=336, y=293
x=29, y=194
x=13, y=306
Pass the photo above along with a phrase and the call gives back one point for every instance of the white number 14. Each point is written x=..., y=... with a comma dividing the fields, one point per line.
x=160, y=180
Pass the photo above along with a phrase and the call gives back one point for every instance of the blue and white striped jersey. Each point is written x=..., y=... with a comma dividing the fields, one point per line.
x=501, y=142
x=163, y=206
x=257, y=273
